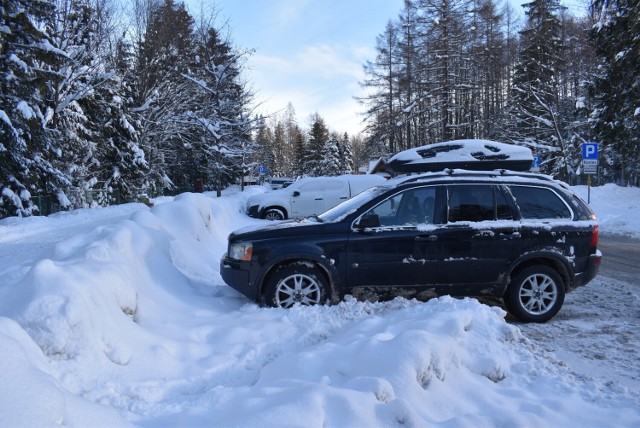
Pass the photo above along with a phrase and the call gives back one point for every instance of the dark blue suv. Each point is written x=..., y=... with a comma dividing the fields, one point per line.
x=523, y=237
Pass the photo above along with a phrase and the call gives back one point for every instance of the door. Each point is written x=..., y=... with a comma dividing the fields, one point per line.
x=481, y=237
x=335, y=192
x=307, y=199
x=401, y=250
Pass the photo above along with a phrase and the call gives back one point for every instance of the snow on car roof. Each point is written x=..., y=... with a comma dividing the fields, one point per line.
x=468, y=154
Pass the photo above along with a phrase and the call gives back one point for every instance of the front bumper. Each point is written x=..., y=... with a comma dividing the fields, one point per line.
x=236, y=274
x=253, y=211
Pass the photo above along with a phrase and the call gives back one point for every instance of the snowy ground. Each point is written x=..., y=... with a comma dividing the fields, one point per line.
x=118, y=316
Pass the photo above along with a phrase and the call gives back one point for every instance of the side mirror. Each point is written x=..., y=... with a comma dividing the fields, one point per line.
x=295, y=193
x=369, y=220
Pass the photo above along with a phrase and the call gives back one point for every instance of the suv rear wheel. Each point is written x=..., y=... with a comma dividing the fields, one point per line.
x=536, y=294
x=296, y=283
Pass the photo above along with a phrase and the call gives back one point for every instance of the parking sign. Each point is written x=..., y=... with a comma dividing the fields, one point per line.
x=535, y=166
x=590, y=151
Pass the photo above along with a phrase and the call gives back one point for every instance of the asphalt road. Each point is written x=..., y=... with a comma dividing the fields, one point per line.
x=621, y=258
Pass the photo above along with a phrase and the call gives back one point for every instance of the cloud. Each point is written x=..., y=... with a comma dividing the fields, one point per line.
x=319, y=78
x=323, y=60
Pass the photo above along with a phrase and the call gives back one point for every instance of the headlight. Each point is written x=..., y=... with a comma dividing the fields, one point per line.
x=241, y=251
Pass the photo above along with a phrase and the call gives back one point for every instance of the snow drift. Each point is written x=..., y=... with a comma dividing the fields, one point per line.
x=131, y=324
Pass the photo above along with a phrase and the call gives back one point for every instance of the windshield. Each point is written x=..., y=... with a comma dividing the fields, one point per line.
x=338, y=212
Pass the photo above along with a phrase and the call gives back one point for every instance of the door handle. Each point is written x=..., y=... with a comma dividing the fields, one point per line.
x=510, y=235
x=429, y=238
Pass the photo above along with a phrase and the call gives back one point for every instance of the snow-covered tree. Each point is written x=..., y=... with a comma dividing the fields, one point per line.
x=330, y=163
x=220, y=109
x=164, y=53
x=345, y=155
x=78, y=111
x=616, y=116
x=299, y=150
x=263, y=140
x=314, y=149
x=535, y=118
x=26, y=145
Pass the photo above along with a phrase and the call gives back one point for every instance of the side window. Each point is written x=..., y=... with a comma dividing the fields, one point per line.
x=539, y=203
x=409, y=208
x=471, y=202
x=316, y=185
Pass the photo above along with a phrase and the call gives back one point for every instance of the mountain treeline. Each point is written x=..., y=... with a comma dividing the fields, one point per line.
x=456, y=69
x=285, y=149
x=88, y=103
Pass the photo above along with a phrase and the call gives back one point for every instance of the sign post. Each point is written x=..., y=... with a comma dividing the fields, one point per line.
x=589, y=164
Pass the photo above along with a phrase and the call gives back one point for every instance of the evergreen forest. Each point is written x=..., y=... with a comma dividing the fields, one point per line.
x=98, y=107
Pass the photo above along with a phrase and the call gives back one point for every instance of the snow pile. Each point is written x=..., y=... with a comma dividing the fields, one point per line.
x=131, y=324
x=616, y=207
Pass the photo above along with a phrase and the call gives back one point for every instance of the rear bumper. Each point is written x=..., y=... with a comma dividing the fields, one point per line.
x=236, y=274
x=593, y=266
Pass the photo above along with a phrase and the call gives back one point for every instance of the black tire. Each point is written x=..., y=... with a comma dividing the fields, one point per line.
x=296, y=283
x=535, y=294
x=273, y=214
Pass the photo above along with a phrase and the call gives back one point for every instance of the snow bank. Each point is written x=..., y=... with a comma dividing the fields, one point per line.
x=616, y=207
x=131, y=324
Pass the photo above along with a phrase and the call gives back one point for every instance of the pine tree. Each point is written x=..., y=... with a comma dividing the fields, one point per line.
x=535, y=101
x=445, y=31
x=346, y=155
x=318, y=136
x=292, y=131
x=329, y=165
x=279, y=150
x=78, y=114
x=382, y=112
x=220, y=110
x=26, y=146
x=123, y=165
x=299, y=149
x=165, y=51
x=264, y=145
x=616, y=115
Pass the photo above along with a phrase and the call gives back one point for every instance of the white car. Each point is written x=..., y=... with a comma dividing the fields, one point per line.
x=309, y=196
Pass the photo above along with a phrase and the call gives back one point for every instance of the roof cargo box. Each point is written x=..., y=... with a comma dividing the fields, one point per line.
x=475, y=155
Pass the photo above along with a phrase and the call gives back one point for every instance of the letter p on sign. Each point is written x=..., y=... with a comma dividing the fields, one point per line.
x=590, y=151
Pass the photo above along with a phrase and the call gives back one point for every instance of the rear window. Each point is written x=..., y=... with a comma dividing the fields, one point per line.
x=540, y=203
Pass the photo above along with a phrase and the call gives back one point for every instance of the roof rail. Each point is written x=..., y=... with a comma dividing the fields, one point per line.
x=448, y=172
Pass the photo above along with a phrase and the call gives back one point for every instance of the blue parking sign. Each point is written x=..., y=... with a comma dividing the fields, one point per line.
x=536, y=161
x=590, y=151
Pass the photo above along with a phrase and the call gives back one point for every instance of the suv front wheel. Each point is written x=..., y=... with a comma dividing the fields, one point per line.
x=535, y=294
x=273, y=214
x=296, y=283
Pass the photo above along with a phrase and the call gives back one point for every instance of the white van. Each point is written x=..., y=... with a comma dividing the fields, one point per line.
x=309, y=196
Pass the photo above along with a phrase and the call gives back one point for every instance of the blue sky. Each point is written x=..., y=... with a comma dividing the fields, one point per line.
x=309, y=52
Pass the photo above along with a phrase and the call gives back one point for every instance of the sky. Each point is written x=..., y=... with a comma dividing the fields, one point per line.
x=309, y=52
